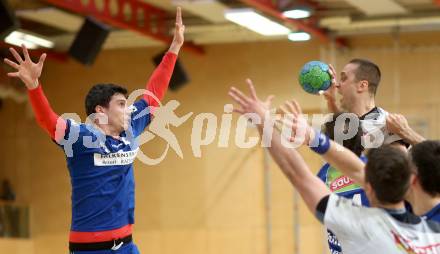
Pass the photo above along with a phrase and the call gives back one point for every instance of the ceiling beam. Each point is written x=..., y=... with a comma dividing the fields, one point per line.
x=132, y=15
x=213, y=11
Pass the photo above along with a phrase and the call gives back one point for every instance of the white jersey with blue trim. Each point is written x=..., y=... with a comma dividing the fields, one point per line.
x=364, y=230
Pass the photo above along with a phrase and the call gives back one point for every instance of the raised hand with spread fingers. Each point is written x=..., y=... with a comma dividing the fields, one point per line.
x=294, y=119
x=26, y=70
x=250, y=104
x=290, y=161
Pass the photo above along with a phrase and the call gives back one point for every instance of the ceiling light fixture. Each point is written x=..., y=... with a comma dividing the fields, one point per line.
x=252, y=20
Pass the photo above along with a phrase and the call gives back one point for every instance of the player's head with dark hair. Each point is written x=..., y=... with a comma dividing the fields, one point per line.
x=359, y=78
x=369, y=71
x=108, y=99
x=388, y=172
x=339, y=125
x=425, y=157
x=100, y=95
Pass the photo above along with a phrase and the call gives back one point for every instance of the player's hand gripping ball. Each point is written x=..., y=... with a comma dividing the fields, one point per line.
x=315, y=77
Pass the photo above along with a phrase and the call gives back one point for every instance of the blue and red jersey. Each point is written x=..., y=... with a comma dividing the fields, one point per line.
x=101, y=173
x=101, y=166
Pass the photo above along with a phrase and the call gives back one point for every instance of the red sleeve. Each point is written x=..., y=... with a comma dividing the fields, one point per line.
x=45, y=116
x=159, y=80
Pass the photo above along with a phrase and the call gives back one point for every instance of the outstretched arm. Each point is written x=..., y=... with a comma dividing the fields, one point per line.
x=29, y=73
x=159, y=80
x=345, y=161
x=398, y=124
x=311, y=188
x=335, y=154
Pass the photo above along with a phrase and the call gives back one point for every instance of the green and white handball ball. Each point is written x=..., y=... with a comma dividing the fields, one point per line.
x=315, y=77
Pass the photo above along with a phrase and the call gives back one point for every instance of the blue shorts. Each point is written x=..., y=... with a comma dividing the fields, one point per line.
x=129, y=248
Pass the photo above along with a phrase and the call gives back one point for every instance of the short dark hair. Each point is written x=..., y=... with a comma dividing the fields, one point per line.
x=368, y=71
x=388, y=171
x=101, y=94
x=426, y=157
x=354, y=144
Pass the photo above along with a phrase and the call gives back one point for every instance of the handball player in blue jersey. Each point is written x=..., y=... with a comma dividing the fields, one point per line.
x=334, y=179
x=100, y=154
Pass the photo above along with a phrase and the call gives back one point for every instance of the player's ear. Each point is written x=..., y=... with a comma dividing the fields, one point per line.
x=368, y=188
x=363, y=86
x=413, y=182
x=99, y=109
x=371, y=195
x=413, y=179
